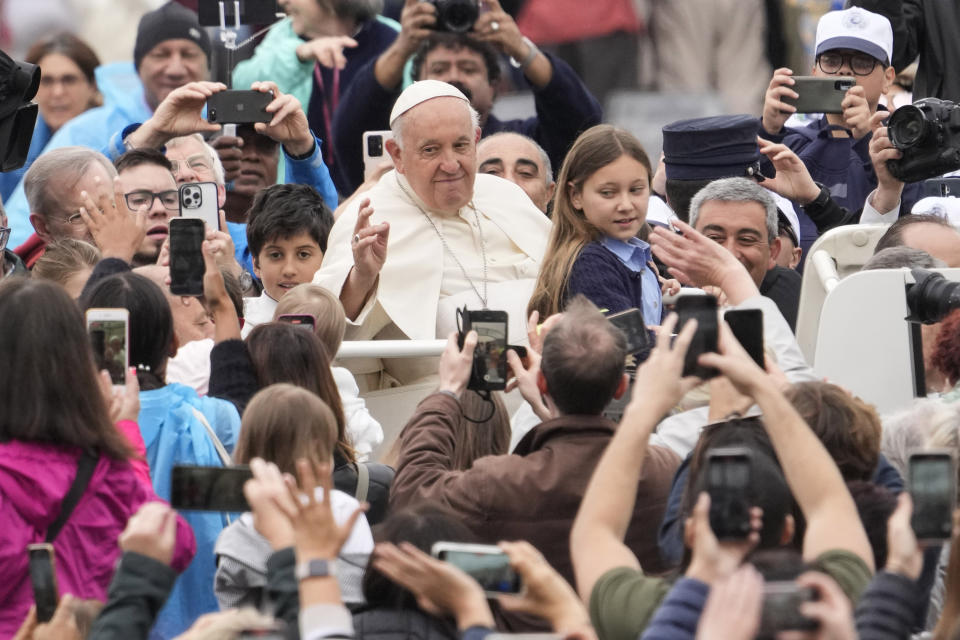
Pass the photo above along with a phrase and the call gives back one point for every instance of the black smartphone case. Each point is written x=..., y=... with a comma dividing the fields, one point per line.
x=819, y=95
x=239, y=107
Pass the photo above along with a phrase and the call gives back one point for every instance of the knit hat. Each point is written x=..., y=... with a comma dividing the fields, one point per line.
x=170, y=22
x=856, y=29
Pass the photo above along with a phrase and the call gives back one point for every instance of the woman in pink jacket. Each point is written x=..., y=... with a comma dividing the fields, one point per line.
x=54, y=420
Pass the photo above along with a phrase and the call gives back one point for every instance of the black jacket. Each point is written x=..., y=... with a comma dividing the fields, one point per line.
x=401, y=624
x=927, y=28
x=137, y=592
x=886, y=609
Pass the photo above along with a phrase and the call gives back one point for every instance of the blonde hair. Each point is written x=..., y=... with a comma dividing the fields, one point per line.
x=324, y=306
x=283, y=423
x=64, y=258
x=596, y=148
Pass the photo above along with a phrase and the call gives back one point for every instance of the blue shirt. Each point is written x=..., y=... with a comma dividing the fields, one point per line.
x=635, y=255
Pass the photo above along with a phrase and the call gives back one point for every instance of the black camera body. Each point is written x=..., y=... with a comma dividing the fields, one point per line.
x=927, y=133
x=19, y=82
x=456, y=16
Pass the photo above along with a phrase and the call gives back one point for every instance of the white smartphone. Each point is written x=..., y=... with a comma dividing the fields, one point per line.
x=199, y=200
x=375, y=151
x=110, y=339
x=486, y=564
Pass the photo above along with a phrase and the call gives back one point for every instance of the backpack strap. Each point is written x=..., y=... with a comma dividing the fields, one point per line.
x=85, y=467
x=363, y=482
x=221, y=450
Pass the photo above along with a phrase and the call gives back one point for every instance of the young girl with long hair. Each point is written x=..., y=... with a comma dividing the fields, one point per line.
x=599, y=217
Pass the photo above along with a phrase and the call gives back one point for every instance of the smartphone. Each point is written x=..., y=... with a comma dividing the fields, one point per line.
x=490, y=356
x=195, y=488
x=781, y=608
x=633, y=327
x=747, y=328
x=819, y=94
x=486, y=564
x=940, y=187
x=43, y=577
x=933, y=488
x=374, y=151
x=304, y=320
x=727, y=476
x=703, y=309
x=199, y=200
x=239, y=107
x=254, y=12
x=110, y=339
x=186, y=256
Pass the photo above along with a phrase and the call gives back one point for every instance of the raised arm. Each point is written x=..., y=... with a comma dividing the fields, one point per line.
x=832, y=519
x=596, y=540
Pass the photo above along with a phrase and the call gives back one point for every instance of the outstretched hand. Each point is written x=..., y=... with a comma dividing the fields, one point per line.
x=116, y=230
x=456, y=364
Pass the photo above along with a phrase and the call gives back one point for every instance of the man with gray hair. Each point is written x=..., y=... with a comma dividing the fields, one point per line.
x=432, y=235
x=53, y=187
x=522, y=161
x=10, y=263
x=742, y=216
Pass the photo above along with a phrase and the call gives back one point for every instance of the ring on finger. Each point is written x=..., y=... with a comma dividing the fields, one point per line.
x=356, y=238
x=495, y=26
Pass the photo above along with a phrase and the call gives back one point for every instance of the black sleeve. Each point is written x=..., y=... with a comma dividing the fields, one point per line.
x=886, y=610
x=283, y=590
x=827, y=214
x=138, y=591
x=232, y=376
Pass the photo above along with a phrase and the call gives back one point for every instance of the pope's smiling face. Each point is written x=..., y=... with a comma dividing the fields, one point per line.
x=438, y=152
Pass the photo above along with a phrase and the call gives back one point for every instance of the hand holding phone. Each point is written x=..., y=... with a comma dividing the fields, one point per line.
x=933, y=487
x=728, y=479
x=110, y=339
x=703, y=309
x=490, y=355
x=200, y=200
x=187, y=266
x=747, y=328
x=486, y=564
x=196, y=488
x=819, y=94
x=631, y=323
x=239, y=107
x=43, y=577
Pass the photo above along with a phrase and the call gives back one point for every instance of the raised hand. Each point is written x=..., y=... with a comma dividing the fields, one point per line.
x=289, y=124
x=152, y=532
x=327, y=50
x=116, y=230
x=775, y=111
x=316, y=533
x=369, y=244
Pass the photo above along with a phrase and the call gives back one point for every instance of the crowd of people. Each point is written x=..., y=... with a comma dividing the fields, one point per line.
x=601, y=485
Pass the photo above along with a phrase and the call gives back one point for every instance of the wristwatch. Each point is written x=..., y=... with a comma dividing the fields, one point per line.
x=316, y=568
x=820, y=201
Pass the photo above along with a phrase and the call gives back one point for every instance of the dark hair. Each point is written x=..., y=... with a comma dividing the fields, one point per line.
x=232, y=284
x=282, y=211
x=138, y=157
x=69, y=45
x=679, y=194
x=150, y=324
x=282, y=352
x=283, y=423
x=455, y=42
x=875, y=504
x=893, y=236
x=422, y=526
x=49, y=390
x=478, y=439
x=768, y=487
x=946, y=350
x=847, y=426
x=583, y=360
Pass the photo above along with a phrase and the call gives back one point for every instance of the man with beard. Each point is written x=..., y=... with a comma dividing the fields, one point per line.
x=468, y=61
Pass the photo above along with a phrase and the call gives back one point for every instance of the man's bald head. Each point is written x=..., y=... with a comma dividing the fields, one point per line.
x=520, y=160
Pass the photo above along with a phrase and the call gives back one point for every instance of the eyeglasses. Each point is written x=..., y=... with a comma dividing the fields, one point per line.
x=860, y=63
x=136, y=199
x=4, y=236
x=197, y=163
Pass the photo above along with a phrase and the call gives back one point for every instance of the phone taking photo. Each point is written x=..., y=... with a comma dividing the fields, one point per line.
x=747, y=327
x=200, y=200
x=186, y=256
x=781, y=608
x=819, y=94
x=727, y=474
x=933, y=487
x=239, y=107
x=703, y=309
x=195, y=488
x=110, y=339
x=631, y=323
x=490, y=355
x=486, y=564
x=43, y=577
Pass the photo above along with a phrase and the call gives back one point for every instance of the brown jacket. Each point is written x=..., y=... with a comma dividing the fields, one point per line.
x=532, y=494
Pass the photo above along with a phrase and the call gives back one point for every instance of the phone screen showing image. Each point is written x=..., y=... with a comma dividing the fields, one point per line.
x=932, y=487
x=491, y=570
x=490, y=355
x=109, y=340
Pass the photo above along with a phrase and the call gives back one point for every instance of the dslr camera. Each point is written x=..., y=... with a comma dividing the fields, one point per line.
x=927, y=133
x=19, y=82
x=456, y=16
x=931, y=297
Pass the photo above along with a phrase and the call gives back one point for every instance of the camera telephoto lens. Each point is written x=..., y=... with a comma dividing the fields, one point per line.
x=457, y=16
x=932, y=297
x=907, y=127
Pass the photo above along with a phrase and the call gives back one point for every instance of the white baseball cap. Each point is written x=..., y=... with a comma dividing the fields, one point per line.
x=947, y=208
x=420, y=92
x=856, y=29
